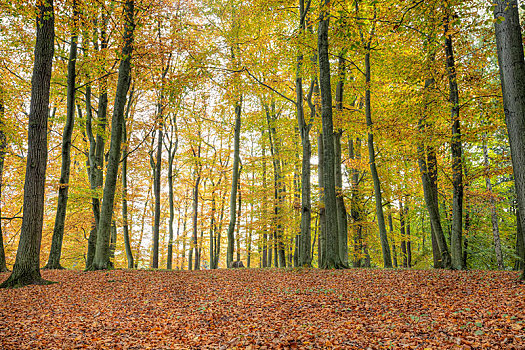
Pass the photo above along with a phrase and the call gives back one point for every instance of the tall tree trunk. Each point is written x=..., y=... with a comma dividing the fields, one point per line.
x=26, y=269
x=235, y=180
x=156, y=192
x=264, y=207
x=493, y=214
x=279, y=186
x=331, y=255
x=342, y=222
x=391, y=227
x=97, y=146
x=125, y=221
x=322, y=210
x=403, y=234
x=239, y=212
x=304, y=257
x=355, y=206
x=520, y=243
x=101, y=259
x=113, y=244
x=63, y=189
x=3, y=146
x=385, y=247
x=427, y=162
x=456, y=245
x=512, y=74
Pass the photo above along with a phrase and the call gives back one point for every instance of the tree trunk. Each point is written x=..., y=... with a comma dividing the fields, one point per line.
x=355, y=206
x=391, y=226
x=113, y=244
x=322, y=210
x=63, y=189
x=520, y=243
x=456, y=238
x=235, y=180
x=156, y=192
x=512, y=74
x=97, y=146
x=3, y=146
x=125, y=221
x=239, y=212
x=493, y=214
x=101, y=259
x=331, y=255
x=26, y=269
x=385, y=247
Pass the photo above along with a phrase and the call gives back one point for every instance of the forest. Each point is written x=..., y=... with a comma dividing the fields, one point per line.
x=188, y=135
x=262, y=174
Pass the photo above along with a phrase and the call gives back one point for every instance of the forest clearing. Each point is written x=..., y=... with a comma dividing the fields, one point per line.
x=266, y=309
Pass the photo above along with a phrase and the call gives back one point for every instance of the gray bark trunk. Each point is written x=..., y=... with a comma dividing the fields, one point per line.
x=235, y=180
x=63, y=189
x=322, y=210
x=493, y=214
x=3, y=147
x=26, y=269
x=385, y=247
x=156, y=191
x=355, y=204
x=125, y=221
x=101, y=259
x=456, y=238
x=331, y=255
x=512, y=74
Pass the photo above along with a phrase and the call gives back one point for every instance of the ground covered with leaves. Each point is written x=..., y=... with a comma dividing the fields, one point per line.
x=265, y=309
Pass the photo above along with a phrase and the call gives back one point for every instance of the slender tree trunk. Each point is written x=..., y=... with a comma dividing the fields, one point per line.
x=355, y=206
x=322, y=209
x=26, y=269
x=493, y=214
x=97, y=146
x=113, y=244
x=331, y=258
x=342, y=222
x=3, y=146
x=512, y=74
x=265, y=250
x=125, y=221
x=385, y=247
x=63, y=189
x=239, y=212
x=408, y=240
x=101, y=259
x=457, y=161
x=520, y=243
x=235, y=180
x=156, y=192
x=391, y=227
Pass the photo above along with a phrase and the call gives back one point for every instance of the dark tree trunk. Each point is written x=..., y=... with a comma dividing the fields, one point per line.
x=391, y=226
x=26, y=269
x=385, y=247
x=63, y=189
x=265, y=250
x=520, y=243
x=322, y=210
x=331, y=255
x=3, y=146
x=96, y=148
x=125, y=221
x=457, y=161
x=428, y=168
x=512, y=74
x=113, y=244
x=101, y=259
x=355, y=206
x=235, y=180
x=156, y=192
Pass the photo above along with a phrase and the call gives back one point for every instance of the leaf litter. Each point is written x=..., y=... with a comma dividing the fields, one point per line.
x=266, y=309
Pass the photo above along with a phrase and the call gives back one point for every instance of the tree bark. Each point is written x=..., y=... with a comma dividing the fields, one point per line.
x=26, y=269
x=101, y=259
x=235, y=180
x=125, y=221
x=3, y=147
x=512, y=74
x=355, y=204
x=456, y=237
x=331, y=255
x=385, y=247
x=63, y=187
x=156, y=191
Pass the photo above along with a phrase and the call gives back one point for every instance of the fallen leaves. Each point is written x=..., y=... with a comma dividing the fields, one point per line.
x=265, y=309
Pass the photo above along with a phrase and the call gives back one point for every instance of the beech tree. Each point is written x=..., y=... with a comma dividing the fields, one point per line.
x=26, y=269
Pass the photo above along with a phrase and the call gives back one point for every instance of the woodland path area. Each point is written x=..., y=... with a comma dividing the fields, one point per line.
x=266, y=308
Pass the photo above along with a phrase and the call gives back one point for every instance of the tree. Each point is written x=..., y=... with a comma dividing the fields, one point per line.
x=3, y=146
x=512, y=74
x=63, y=189
x=26, y=269
x=101, y=258
x=330, y=249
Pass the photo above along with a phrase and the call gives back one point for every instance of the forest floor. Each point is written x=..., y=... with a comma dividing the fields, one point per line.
x=266, y=309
